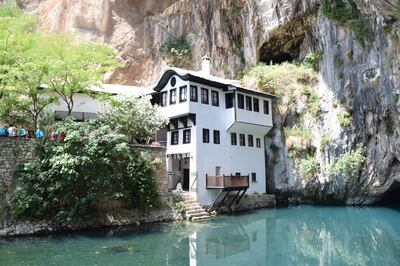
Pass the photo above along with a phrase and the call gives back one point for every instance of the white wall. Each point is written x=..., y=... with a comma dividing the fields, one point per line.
x=82, y=103
x=248, y=116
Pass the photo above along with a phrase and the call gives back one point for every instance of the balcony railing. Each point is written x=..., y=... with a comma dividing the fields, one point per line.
x=227, y=182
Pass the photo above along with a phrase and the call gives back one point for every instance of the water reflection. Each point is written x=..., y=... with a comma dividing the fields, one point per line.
x=294, y=236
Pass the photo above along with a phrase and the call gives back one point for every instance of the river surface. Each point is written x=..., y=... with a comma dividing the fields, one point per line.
x=302, y=235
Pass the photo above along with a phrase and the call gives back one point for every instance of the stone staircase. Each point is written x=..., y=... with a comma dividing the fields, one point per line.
x=194, y=211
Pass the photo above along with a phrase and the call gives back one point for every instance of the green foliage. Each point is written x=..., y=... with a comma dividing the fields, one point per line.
x=347, y=14
x=30, y=59
x=308, y=168
x=325, y=141
x=181, y=208
x=313, y=103
x=281, y=78
x=344, y=118
x=9, y=9
x=176, y=51
x=298, y=132
x=349, y=164
x=135, y=117
x=312, y=60
x=68, y=178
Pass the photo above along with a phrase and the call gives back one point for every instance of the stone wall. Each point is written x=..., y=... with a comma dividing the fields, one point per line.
x=16, y=151
x=13, y=151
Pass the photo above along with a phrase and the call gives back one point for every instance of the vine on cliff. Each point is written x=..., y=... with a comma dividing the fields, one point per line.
x=177, y=52
x=346, y=13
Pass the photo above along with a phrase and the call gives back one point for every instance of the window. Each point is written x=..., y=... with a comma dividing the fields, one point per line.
x=215, y=98
x=204, y=96
x=266, y=107
x=163, y=98
x=240, y=101
x=248, y=103
x=237, y=174
x=229, y=100
x=256, y=105
x=172, y=96
x=250, y=138
x=173, y=81
x=216, y=137
x=218, y=170
x=186, y=136
x=258, y=142
x=233, y=139
x=193, y=93
x=242, y=140
x=253, y=177
x=206, y=135
x=182, y=94
x=174, y=137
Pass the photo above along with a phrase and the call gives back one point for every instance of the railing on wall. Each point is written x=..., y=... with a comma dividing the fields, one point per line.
x=227, y=181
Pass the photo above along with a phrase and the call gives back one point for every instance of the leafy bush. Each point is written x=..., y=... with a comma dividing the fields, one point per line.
x=344, y=118
x=176, y=51
x=313, y=60
x=308, y=168
x=347, y=14
x=68, y=178
x=135, y=117
x=349, y=164
x=325, y=141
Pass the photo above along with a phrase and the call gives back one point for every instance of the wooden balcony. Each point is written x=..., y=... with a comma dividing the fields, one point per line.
x=227, y=182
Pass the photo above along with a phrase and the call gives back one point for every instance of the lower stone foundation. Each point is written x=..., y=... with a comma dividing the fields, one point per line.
x=250, y=202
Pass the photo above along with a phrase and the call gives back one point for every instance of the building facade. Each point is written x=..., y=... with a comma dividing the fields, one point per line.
x=215, y=138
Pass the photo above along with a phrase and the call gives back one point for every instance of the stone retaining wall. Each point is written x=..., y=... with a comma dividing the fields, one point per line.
x=13, y=151
x=250, y=202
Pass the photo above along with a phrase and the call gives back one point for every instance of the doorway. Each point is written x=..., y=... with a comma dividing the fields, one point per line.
x=186, y=179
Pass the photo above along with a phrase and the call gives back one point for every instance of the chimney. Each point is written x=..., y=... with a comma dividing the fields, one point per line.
x=205, y=65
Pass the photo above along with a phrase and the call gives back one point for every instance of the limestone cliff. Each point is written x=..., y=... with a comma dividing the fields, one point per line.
x=358, y=74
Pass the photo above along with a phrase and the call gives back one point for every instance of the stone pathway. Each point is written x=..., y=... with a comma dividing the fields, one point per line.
x=194, y=211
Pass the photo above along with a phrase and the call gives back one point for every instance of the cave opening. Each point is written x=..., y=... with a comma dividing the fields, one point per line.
x=285, y=43
x=392, y=196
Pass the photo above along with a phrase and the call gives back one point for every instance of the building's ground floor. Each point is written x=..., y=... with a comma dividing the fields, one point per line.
x=204, y=178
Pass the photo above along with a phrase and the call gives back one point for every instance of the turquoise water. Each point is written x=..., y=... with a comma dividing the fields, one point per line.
x=303, y=235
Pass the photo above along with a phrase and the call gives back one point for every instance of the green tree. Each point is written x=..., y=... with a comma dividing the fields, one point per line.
x=77, y=67
x=69, y=178
x=135, y=117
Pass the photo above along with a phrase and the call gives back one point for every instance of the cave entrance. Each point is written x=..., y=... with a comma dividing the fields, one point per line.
x=285, y=43
x=392, y=196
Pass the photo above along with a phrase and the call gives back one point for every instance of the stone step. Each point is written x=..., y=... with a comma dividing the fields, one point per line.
x=194, y=208
x=201, y=218
x=195, y=212
x=195, y=204
x=200, y=214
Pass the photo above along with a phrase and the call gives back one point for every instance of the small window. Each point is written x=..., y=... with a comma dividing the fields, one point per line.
x=237, y=174
x=186, y=136
x=193, y=93
x=240, y=101
x=253, y=177
x=233, y=139
x=242, y=140
x=248, y=103
x=173, y=81
x=182, y=94
x=172, y=96
x=229, y=100
x=215, y=98
x=174, y=137
x=216, y=137
x=163, y=98
x=258, y=142
x=266, y=107
x=256, y=105
x=206, y=135
x=204, y=96
x=218, y=170
x=250, y=139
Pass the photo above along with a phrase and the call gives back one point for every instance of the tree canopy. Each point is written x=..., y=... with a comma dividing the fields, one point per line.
x=35, y=67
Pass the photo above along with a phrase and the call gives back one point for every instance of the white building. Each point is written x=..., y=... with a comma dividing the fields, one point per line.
x=215, y=138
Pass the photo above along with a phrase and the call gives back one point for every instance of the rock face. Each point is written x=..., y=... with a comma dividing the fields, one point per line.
x=362, y=80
